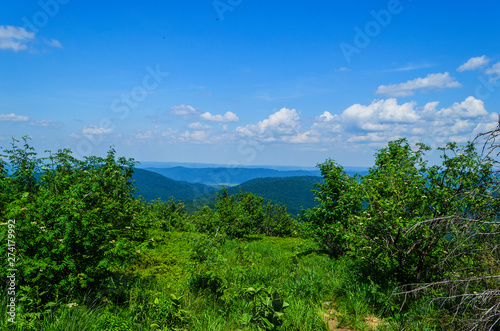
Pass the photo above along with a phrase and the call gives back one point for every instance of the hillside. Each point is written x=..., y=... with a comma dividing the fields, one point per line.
x=218, y=176
x=293, y=192
x=152, y=186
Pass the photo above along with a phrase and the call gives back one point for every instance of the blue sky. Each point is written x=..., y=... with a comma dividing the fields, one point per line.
x=247, y=82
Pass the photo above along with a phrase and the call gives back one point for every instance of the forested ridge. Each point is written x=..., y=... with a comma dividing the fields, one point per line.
x=407, y=246
x=293, y=192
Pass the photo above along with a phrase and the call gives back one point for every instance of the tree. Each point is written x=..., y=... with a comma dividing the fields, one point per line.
x=73, y=224
x=376, y=219
x=238, y=215
x=338, y=201
x=470, y=287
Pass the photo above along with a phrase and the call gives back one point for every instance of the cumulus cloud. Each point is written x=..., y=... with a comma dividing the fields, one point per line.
x=14, y=38
x=474, y=63
x=227, y=117
x=358, y=126
x=182, y=110
x=383, y=120
x=13, y=118
x=283, y=122
x=93, y=129
x=470, y=108
x=432, y=81
x=375, y=116
x=326, y=116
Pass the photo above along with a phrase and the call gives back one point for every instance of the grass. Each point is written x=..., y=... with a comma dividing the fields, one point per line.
x=183, y=281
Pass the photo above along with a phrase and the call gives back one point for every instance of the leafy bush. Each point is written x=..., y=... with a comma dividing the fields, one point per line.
x=375, y=218
x=277, y=222
x=169, y=215
x=238, y=215
x=73, y=224
x=339, y=199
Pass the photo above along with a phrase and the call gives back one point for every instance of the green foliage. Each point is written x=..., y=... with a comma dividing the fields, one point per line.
x=401, y=191
x=240, y=214
x=278, y=222
x=293, y=192
x=376, y=218
x=338, y=199
x=395, y=197
x=243, y=214
x=267, y=308
x=24, y=166
x=169, y=215
x=5, y=195
x=111, y=322
x=152, y=185
x=205, y=220
x=81, y=235
x=72, y=225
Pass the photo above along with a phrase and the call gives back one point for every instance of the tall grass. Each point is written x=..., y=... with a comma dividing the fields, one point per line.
x=184, y=281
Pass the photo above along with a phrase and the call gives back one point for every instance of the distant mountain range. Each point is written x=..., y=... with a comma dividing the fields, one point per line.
x=152, y=185
x=148, y=164
x=197, y=187
x=294, y=192
x=226, y=176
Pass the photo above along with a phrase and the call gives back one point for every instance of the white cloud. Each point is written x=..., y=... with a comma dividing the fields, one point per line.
x=182, y=110
x=343, y=69
x=171, y=136
x=13, y=118
x=45, y=123
x=283, y=122
x=470, y=108
x=198, y=126
x=227, y=118
x=406, y=89
x=14, y=38
x=494, y=70
x=383, y=120
x=195, y=136
x=378, y=114
x=54, y=43
x=93, y=129
x=411, y=67
x=474, y=63
x=303, y=138
x=326, y=116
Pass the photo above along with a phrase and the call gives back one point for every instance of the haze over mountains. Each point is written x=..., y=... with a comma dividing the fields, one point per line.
x=226, y=176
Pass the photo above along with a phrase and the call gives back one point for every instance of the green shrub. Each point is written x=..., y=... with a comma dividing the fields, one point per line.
x=339, y=200
x=238, y=215
x=73, y=225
